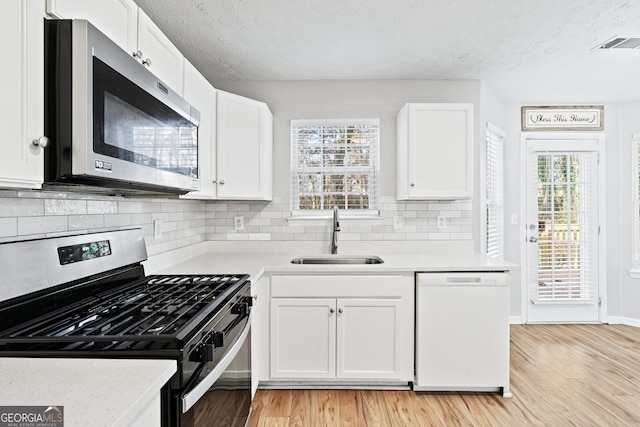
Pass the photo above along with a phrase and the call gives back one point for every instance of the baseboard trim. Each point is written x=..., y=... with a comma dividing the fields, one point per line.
x=620, y=320
x=515, y=320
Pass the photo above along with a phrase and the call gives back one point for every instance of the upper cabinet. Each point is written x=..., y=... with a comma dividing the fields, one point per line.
x=199, y=93
x=435, y=152
x=158, y=53
x=117, y=19
x=21, y=104
x=129, y=27
x=244, y=148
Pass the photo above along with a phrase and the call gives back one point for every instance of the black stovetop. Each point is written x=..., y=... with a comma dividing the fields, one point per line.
x=159, y=311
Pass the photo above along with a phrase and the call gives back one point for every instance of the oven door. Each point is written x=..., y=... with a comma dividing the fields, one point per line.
x=221, y=391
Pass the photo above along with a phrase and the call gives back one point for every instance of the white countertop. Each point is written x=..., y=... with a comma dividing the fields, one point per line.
x=94, y=392
x=258, y=263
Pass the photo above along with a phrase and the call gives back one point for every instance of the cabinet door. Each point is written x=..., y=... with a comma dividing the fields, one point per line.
x=200, y=94
x=159, y=54
x=303, y=336
x=244, y=146
x=369, y=338
x=435, y=152
x=22, y=101
x=117, y=19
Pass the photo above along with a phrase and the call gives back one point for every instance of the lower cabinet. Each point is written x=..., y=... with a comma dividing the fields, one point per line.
x=341, y=328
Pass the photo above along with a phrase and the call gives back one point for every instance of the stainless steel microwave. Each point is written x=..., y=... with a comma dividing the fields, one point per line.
x=113, y=127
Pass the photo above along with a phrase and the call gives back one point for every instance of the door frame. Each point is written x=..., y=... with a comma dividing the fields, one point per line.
x=599, y=138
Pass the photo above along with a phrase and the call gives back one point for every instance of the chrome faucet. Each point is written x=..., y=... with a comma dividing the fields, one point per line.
x=336, y=228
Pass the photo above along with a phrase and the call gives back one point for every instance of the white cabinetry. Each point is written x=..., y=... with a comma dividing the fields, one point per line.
x=157, y=52
x=22, y=101
x=117, y=19
x=303, y=338
x=244, y=148
x=199, y=93
x=341, y=328
x=435, y=152
x=127, y=25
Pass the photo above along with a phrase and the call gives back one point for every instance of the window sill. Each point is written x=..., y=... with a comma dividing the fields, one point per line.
x=323, y=219
x=635, y=272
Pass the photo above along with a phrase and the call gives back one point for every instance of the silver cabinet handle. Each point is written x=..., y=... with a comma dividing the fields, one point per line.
x=222, y=182
x=413, y=184
x=533, y=239
x=137, y=54
x=147, y=62
x=43, y=142
x=339, y=310
x=331, y=310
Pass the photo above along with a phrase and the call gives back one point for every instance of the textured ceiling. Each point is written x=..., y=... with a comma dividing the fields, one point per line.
x=526, y=51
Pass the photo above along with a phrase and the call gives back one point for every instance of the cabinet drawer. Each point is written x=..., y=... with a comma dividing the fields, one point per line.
x=339, y=286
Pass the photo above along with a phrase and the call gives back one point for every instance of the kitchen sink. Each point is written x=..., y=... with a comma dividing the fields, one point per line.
x=338, y=259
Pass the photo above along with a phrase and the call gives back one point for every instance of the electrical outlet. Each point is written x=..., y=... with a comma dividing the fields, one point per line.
x=441, y=222
x=157, y=228
x=398, y=222
x=238, y=223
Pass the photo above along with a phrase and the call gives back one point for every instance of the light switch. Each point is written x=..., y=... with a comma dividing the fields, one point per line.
x=157, y=228
x=514, y=219
x=398, y=222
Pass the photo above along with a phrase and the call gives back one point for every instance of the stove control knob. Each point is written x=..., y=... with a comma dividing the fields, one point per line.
x=217, y=339
x=207, y=353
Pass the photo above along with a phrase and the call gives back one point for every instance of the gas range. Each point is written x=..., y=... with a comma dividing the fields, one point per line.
x=88, y=296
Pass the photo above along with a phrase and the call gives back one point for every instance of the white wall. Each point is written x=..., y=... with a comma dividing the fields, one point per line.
x=626, y=302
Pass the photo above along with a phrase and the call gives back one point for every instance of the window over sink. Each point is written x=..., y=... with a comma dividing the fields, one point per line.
x=334, y=163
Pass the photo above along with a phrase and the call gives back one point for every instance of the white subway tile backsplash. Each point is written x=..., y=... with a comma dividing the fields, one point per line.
x=129, y=207
x=27, y=214
x=85, y=222
x=10, y=207
x=259, y=236
x=65, y=207
x=117, y=220
x=101, y=207
x=41, y=224
x=8, y=227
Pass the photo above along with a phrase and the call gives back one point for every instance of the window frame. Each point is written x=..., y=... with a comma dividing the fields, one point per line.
x=493, y=228
x=373, y=169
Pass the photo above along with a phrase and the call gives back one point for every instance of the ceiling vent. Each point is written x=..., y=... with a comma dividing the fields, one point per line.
x=622, y=42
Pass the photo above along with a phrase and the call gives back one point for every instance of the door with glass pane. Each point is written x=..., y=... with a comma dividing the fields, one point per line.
x=562, y=232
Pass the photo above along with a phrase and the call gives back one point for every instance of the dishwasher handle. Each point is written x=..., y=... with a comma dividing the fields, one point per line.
x=470, y=279
x=463, y=279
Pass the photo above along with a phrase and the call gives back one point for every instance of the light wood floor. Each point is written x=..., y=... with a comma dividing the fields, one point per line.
x=561, y=375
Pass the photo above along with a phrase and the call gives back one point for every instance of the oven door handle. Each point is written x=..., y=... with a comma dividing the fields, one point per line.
x=190, y=398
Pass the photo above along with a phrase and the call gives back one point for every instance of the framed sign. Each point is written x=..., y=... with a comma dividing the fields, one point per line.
x=576, y=117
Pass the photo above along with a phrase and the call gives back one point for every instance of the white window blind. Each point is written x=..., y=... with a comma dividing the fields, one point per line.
x=564, y=185
x=334, y=163
x=635, y=165
x=494, y=193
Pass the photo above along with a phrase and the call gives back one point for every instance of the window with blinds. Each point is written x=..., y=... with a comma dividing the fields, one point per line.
x=334, y=163
x=635, y=165
x=494, y=193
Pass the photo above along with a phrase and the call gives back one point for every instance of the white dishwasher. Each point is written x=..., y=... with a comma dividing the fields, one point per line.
x=462, y=332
